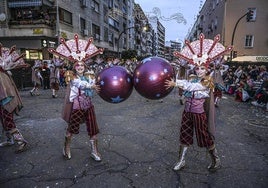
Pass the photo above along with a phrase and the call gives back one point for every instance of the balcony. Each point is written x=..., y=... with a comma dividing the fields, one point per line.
x=20, y=23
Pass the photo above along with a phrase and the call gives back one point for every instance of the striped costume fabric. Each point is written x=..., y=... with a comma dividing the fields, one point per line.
x=7, y=119
x=80, y=116
x=198, y=122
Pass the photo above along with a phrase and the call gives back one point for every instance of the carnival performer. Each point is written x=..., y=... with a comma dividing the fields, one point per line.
x=216, y=73
x=55, y=76
x=36, y=77
x=45, y=72
x=10, y=101
x=78, y=107
x=199, y=108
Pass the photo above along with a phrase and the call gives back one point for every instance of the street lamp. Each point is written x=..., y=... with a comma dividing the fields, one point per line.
x=145, y=28
x=57, y=22
x=233, y=35
x=118, y=42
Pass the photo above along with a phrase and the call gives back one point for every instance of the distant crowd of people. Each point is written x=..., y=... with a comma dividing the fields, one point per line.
x=248, y=84
x=245, y=83
x=50, y=74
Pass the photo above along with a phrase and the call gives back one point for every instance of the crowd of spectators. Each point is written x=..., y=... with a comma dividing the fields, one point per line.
x=248, y=84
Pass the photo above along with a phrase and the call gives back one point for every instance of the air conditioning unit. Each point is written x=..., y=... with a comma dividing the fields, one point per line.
x=85, y=32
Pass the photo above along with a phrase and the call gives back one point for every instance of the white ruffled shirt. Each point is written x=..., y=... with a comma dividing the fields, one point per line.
x=199, y=90
x=77, y=84
x=195, y=94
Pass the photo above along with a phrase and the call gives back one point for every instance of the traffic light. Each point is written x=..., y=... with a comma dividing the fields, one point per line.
x=234, y=54
x=250, y=15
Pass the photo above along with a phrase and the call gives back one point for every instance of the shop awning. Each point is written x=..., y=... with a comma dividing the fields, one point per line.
x=251, y=59
x=24, y=3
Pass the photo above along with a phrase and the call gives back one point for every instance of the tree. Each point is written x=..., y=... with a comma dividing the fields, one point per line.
x=129, y=54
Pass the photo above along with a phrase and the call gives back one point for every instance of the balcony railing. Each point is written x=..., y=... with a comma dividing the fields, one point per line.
x=32, y=22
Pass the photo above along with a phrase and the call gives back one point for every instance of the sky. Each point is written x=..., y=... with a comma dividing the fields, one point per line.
x=176, y=27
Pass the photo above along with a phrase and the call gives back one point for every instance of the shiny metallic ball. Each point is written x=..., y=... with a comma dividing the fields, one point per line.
x=150, y=76
x=116, y=84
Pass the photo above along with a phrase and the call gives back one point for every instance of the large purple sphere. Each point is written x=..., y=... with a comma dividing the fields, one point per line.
x=116, y=84
x=150, y=76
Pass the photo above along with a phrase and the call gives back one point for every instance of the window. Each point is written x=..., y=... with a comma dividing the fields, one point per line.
x=33, y=54
x=95, y=6
x=95, y=31
x=105, y=9
x=114, y=23
x=65, y=16
x=106, y=35
x=82, y=24
x=216, y=23
x=111, y=3
x=249, y=41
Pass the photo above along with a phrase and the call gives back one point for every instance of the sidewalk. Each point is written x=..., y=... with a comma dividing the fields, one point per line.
x=139, y=143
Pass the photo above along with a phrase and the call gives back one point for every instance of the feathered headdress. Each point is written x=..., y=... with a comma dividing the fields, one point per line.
x=202, y=51
x=10, y=59
x=76, y=49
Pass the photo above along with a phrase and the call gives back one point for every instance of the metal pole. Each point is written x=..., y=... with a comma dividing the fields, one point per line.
x=58, y=22
x=233, y=35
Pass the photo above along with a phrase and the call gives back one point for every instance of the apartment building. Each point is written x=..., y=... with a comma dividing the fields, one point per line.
x=170, y=47
x=229, y=18
x=35, y=25
x=158, y=37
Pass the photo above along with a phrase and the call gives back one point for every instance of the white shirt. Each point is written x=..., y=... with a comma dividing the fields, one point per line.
x=77, y=84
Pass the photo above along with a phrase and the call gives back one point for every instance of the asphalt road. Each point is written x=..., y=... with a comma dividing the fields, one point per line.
x=139, y=142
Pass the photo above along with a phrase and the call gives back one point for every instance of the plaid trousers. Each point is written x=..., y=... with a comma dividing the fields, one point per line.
x=79, y=116
x=7, y=119
x=198, y=122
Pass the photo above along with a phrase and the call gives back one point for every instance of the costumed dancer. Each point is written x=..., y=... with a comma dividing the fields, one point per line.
x=199, y=108
x=45, y=72
x=78, y=107
x=36, y=77
x=10, y=101
x=55, y=76
x=216, y=74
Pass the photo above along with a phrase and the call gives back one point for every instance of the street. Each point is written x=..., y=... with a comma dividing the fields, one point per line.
x=139, y=143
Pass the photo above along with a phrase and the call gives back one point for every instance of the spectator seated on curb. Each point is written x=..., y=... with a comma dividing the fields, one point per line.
x=242, y=92
x=262, y=96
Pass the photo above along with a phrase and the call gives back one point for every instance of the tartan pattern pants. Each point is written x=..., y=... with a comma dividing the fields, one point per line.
x=191, y=121
x=7, y=119
x=79, y=116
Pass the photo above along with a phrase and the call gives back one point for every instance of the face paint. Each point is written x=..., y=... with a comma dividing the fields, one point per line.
x=201, y=71
x=80, y=68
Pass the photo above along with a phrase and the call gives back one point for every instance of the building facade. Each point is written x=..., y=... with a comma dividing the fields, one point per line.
x=35, y=25
x=229, y=18
x=170, y=47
